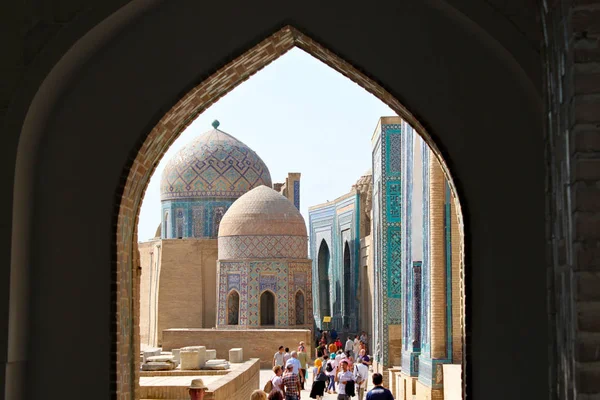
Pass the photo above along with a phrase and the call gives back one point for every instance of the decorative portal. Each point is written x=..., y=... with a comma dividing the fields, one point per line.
x=323, y=266
x=233, y=308
x=267, y=308
x=299, y=308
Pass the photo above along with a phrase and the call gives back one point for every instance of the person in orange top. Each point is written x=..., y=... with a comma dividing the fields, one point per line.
x=332, y=348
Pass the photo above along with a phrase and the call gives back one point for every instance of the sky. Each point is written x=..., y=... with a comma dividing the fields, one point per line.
x=298, y=115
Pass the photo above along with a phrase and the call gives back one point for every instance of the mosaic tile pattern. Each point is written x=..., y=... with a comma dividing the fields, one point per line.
x=261, y=246
x=387, y=202
x=199, y=218
x=214, y=165
x=284, y=279
x=335, y=223
x=297, y=194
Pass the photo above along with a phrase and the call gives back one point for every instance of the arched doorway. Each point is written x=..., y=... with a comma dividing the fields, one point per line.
x=347, y=285
x=300, y=308
x=267, y=308
x=323, y=268
x=233, y=308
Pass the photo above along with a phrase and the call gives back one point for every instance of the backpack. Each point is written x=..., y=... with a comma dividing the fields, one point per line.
x=268, y=386
x=328, y=367
x=321, y=377
x=359, y=379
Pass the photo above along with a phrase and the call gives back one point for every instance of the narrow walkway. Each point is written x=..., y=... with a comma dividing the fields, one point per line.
x=266, y=374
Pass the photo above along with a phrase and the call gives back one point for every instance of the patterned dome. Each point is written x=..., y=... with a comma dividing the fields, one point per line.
x=214, y=165
x=262, y=224
x=262, y=211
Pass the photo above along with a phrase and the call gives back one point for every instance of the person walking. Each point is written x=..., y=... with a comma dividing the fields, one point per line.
x=332, y=348
x=330, y=371
x=197, y=389
x=343, y=378
x=333, y=334
x=338, y=343
x=275, y=395
x=276, y=380
x=356, y=347
x=303, y=358
x=364, y=339
x=361, y=377
x=379, y=392
x=278, y=358
x=349, y=348
x=294, y=362
x=286, y=355
x=291, y=383
x=258, y=395
x=317, y=390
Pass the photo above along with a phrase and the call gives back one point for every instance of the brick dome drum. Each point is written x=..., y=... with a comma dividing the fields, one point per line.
x=262, y=224
x=215, y=165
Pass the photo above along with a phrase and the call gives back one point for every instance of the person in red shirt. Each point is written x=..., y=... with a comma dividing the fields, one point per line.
x=338, y=344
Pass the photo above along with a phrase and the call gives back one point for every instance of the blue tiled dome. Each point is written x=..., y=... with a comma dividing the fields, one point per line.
x=215, y=165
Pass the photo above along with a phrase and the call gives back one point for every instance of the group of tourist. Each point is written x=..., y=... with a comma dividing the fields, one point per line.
x=290, y=372
x=339, y=368
x=330, y=342
x=347, y=383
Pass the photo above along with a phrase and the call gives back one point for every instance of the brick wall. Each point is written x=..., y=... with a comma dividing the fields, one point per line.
x=457, y=292
x=257, y=343
x=571, y=54
x=437, y=256
x=188, y=278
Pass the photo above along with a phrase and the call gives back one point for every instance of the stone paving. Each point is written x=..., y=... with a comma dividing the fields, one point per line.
x=266, y=374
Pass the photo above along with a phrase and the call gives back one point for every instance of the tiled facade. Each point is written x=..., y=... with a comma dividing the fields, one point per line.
x=193, y=218
x=334, y=229
x=387, y=235
x=263, y=264
x=284, y=246
x=250, y=279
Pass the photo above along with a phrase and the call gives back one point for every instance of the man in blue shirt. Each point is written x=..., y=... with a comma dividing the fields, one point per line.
x=294, y=362
x=333, y=334
x=379, y=392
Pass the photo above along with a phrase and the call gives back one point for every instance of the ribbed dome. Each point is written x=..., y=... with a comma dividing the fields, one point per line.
x=262, y=212
x=214, y=165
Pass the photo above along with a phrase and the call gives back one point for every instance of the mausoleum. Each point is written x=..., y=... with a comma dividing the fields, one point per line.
x=264, y=273
x=178, y=281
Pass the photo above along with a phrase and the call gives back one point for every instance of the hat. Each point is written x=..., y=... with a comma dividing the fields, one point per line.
x=198, y=384
x=289, y=366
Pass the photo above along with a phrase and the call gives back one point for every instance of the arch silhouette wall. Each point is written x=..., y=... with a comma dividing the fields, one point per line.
x=109, y=103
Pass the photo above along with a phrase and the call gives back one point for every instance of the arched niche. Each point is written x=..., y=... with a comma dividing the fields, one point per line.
x=267, y=308
x=323, y=276
x=233, y=308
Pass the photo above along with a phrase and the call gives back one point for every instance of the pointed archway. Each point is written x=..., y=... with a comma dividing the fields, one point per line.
x=168, y=129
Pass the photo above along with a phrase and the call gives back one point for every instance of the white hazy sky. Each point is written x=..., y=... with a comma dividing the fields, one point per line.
x=298, y=115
